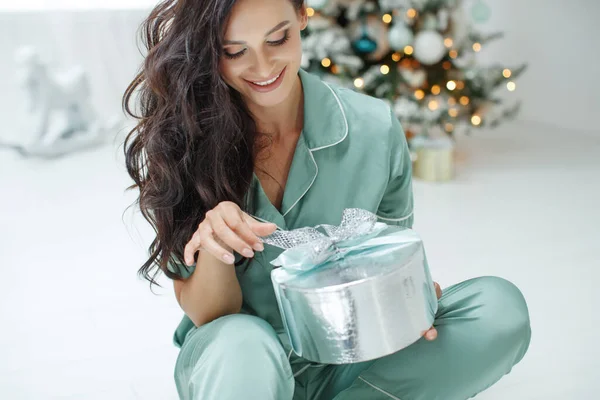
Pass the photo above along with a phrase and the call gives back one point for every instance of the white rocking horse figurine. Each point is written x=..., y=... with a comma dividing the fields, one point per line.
x=61, y=117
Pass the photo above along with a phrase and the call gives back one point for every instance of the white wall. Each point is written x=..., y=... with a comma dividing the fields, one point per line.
x=558, y=38
x=30, y=5
x=102, y=41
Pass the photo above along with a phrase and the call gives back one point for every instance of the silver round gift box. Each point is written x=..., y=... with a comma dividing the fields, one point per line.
x=359, y=308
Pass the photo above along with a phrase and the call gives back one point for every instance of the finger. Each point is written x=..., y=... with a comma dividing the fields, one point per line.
x=234, y=218
x=190, y=248
x=238, y=226
x=260, y=228
x=438, y=290
x=242, y=224
x=223, y=232
x=431, y=334
x=210, y=245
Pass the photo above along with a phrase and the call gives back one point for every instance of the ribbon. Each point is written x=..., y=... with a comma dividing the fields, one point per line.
x=308, y=248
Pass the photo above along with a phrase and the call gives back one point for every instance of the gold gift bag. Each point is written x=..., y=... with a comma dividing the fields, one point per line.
x=434, y=159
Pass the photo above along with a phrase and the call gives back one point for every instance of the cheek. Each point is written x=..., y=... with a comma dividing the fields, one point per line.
x=290, y=54
x=229, y=71
x=294, y=52
x=295, y=48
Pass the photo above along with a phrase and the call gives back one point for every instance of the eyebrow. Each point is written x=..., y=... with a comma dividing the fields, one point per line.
x=275, y=29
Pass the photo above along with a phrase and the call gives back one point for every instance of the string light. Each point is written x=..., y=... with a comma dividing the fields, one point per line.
x=326, y=62
x=451, y=85
x=511, y=86
x=460, y=85
x=335, y=69
x=451, y=101
x=464, y=100
x=476, y=120
x=411, y=13
x=408, y=50
x=448, y=42
x=453, y=53
x=384, y=69
x=310, y=11
x=507, y=73
x=476, y=47
x=396, y=57
x=433, y=105
x=359, y=82
x=453, y=112
x=449, y=127
x=435, y=89
x=446, y=65
x=387, y=18
x=419, y=94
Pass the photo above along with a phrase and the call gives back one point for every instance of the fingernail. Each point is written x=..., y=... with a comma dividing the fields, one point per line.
x=228, y=258
x=259, y=246
x=248, y=253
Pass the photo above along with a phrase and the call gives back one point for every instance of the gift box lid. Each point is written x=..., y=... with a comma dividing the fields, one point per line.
x=352, y=269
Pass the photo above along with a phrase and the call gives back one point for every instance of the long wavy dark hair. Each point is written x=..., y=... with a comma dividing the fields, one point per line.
x=194, y=144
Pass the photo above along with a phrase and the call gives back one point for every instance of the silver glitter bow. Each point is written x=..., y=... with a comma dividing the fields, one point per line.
x=308, y=248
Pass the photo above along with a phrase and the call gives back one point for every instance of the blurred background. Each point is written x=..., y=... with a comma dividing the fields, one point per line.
x=498, y=100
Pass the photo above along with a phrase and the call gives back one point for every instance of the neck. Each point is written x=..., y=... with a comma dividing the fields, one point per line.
x=283, y=119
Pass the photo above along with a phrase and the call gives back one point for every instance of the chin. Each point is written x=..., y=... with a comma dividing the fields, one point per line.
x=276, y=96
x=269, y=100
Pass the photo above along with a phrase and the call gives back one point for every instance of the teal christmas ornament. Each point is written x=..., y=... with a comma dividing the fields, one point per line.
x=481, y=12
x=364, y=44
x=369, y=37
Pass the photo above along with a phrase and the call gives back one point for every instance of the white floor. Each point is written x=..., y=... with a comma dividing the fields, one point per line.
x=76, y=323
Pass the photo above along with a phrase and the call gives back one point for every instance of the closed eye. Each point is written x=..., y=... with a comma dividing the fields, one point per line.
x=279, y=42
x=235, y=55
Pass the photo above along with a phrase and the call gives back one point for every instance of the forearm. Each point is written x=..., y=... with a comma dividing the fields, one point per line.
x=212, y=291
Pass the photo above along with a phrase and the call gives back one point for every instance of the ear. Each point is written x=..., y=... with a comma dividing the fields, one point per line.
x=303, y=18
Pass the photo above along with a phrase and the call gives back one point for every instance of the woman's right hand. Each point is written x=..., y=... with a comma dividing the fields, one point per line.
x=226, y=228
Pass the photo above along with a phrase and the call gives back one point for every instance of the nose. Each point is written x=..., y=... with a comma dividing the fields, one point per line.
x=262, y=65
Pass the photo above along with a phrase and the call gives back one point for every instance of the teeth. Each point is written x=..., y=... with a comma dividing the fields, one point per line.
x=265, y=83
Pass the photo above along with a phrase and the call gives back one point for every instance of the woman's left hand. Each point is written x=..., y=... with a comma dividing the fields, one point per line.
x=431, y=334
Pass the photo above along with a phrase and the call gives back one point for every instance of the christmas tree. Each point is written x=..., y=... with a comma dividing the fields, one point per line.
x=419, y=55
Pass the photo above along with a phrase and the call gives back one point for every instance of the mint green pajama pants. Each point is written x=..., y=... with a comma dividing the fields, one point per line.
x=483, y=331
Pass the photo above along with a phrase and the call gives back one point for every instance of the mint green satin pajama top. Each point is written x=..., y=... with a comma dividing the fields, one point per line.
x=352, y=152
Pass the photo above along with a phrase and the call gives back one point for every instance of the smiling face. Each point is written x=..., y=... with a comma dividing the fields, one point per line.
x=262, y=50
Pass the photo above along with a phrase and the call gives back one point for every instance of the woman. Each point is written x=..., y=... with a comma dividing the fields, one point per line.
x=236, y=140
